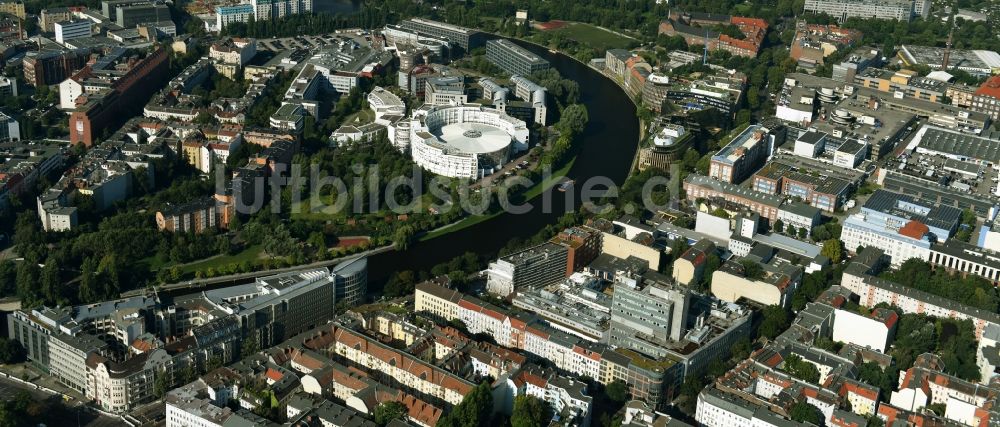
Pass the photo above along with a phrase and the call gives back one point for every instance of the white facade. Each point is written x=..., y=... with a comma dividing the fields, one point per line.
x=8, y=86
x=383, y=102
x=68, y=30
x=177, y=417
x=864, y=331
x=10, y=130
x=902, y=10
x=225, y=15
x=444, y=157
x=858, y=231
x=69, y=90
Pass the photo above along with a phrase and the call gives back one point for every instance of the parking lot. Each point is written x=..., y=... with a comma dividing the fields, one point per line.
x=310, y=42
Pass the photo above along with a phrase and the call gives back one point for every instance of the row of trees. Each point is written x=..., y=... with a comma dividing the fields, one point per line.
x=969, y=290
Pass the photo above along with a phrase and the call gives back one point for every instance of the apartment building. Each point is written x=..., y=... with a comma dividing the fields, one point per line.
x=195, y=217
x=13, y=7
x=225, y=15
x=901, y=10
x=859, y=278
x=773, y=285
x=119, y=386
x=275, y=9
x=813, y=43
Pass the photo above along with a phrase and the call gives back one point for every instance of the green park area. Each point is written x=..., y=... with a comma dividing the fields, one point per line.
x=592, y=36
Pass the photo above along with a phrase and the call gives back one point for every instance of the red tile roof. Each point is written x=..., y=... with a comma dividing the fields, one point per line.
x=990, y=88
x=914, y=230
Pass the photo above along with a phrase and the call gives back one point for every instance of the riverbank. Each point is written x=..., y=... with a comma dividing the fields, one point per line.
x=528, y=195
x=557, y=175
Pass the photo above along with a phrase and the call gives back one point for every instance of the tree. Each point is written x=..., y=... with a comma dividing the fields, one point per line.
x=529, y=411
x=574, y=118
x=833, y=249
x=775, y=321
x=8, y=278
x=11, y=351
x=403, y=237
x=798, y=368
x=50, y=284
x=388, y=411
x=779, y=226
x=805, y=413
x=617, y=391
x=475, y=409
x=751, y=269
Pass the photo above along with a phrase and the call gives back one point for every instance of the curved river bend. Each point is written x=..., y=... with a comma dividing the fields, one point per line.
x=608, y=146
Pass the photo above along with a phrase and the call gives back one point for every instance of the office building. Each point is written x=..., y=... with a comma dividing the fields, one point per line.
x=745, y=152
x=52, y=67
x=534, y=267
x=443, y=91
x=67, y=30
x=129, y=13
x=8, y=86
x=126, y=93
x=350, y=281
x=647, y=317
x=856, y=62
x=984, y=99
x=702, y=187
x=68, y=358
x=513, y=59
x=902, y=83
x=464, y=141
x=902, y=10
x=902, y=226
x=466, y=38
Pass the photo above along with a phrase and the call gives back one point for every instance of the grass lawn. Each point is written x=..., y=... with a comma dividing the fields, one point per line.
x=249, y=254
x=532, y=192
x=360, y=118
x=591, y=36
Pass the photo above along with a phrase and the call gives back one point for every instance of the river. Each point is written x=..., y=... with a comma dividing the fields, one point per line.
x=608, y=146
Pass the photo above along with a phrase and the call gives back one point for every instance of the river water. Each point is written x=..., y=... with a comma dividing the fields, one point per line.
x=608, y=146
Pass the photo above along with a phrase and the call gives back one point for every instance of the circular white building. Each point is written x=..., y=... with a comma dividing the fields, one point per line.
x=465, y=141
